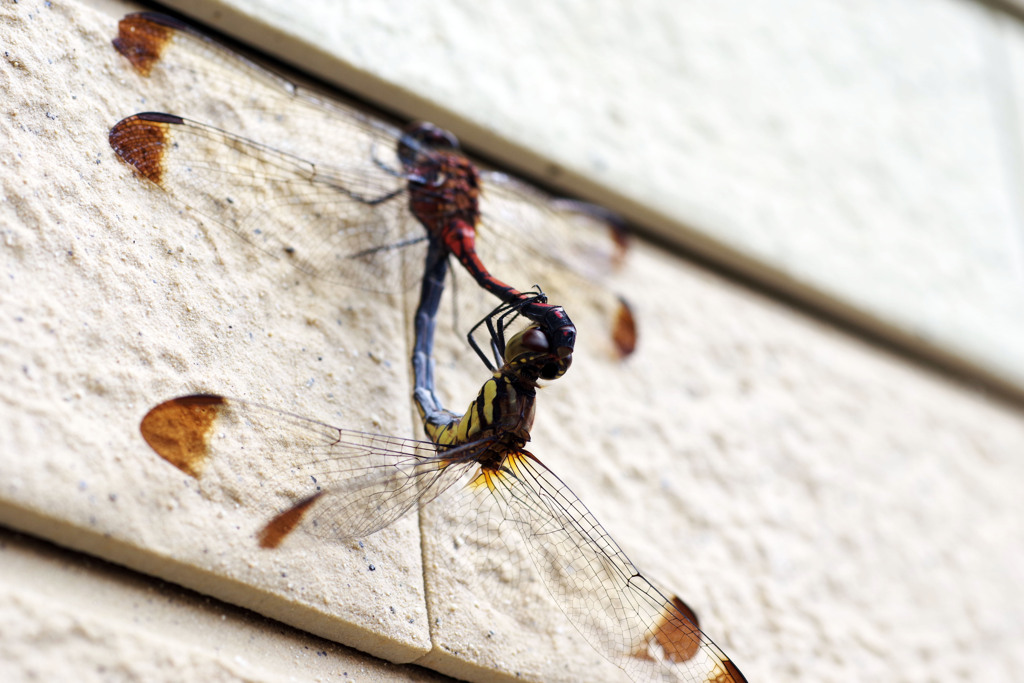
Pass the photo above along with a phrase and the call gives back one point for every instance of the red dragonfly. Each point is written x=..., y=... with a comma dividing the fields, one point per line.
x=350, y=484
x=356, y=216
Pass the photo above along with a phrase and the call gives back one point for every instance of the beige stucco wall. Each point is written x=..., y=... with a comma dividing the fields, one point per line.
x=833, y=509
x=863, y=157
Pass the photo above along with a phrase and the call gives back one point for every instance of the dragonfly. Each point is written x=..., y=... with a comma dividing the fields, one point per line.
x=358, y=216
x=348, y=484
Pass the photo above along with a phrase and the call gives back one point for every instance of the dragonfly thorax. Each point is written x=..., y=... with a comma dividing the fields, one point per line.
x=444, y=191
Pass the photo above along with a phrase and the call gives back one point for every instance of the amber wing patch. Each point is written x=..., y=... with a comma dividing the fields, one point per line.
x=279, y=527
x=624, y=329
x=677, y=632
x=141, y=142
x=620, y=238
x=141, y=38
x=728, y=673
x=179, y=430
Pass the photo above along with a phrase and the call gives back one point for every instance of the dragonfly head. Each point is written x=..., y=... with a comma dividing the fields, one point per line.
x=529, y=354
x=419, y=139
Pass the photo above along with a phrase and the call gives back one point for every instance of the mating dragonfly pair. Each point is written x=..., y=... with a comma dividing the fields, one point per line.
x=413, y=190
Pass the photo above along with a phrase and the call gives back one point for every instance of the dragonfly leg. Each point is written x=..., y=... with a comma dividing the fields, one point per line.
x=498, y=320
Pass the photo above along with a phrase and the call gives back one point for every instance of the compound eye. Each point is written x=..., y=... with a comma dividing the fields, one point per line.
x=530, y=341
x=419, y=139
x=431, y=136
x=439, y=138
x=534, y=340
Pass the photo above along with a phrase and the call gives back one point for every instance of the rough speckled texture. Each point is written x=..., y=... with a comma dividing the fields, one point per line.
x=64, y=617
x=859, y=155
x=832, y=512
x=114, y=301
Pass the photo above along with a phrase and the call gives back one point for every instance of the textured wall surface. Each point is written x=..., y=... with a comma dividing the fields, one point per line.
x=67, y=617
x=863, y=156
x=832, y=510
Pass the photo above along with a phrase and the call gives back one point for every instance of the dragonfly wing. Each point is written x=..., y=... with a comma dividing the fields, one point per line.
x=625, y=617
x=348, y=484
x=594, y=243
x=189, y=66
x=150, y=39
x=289, y=207
x=539, y=239
x=486, y=552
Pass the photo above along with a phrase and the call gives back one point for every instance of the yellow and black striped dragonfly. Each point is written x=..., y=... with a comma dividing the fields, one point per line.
x=350, y=484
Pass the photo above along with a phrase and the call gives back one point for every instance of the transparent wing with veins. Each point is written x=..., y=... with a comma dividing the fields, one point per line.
x=335, y=483
x=314, y=216
x=619, y=612
x=345, y=484
x=323, y=187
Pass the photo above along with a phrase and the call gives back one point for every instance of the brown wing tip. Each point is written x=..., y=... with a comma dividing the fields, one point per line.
x=141, y=38
x=676, y=633
x=685, y=610
x=624, y=329
x=728, y=672
x=620, y=239
x=282, y=525
x=141, y=140
x=179, y=429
